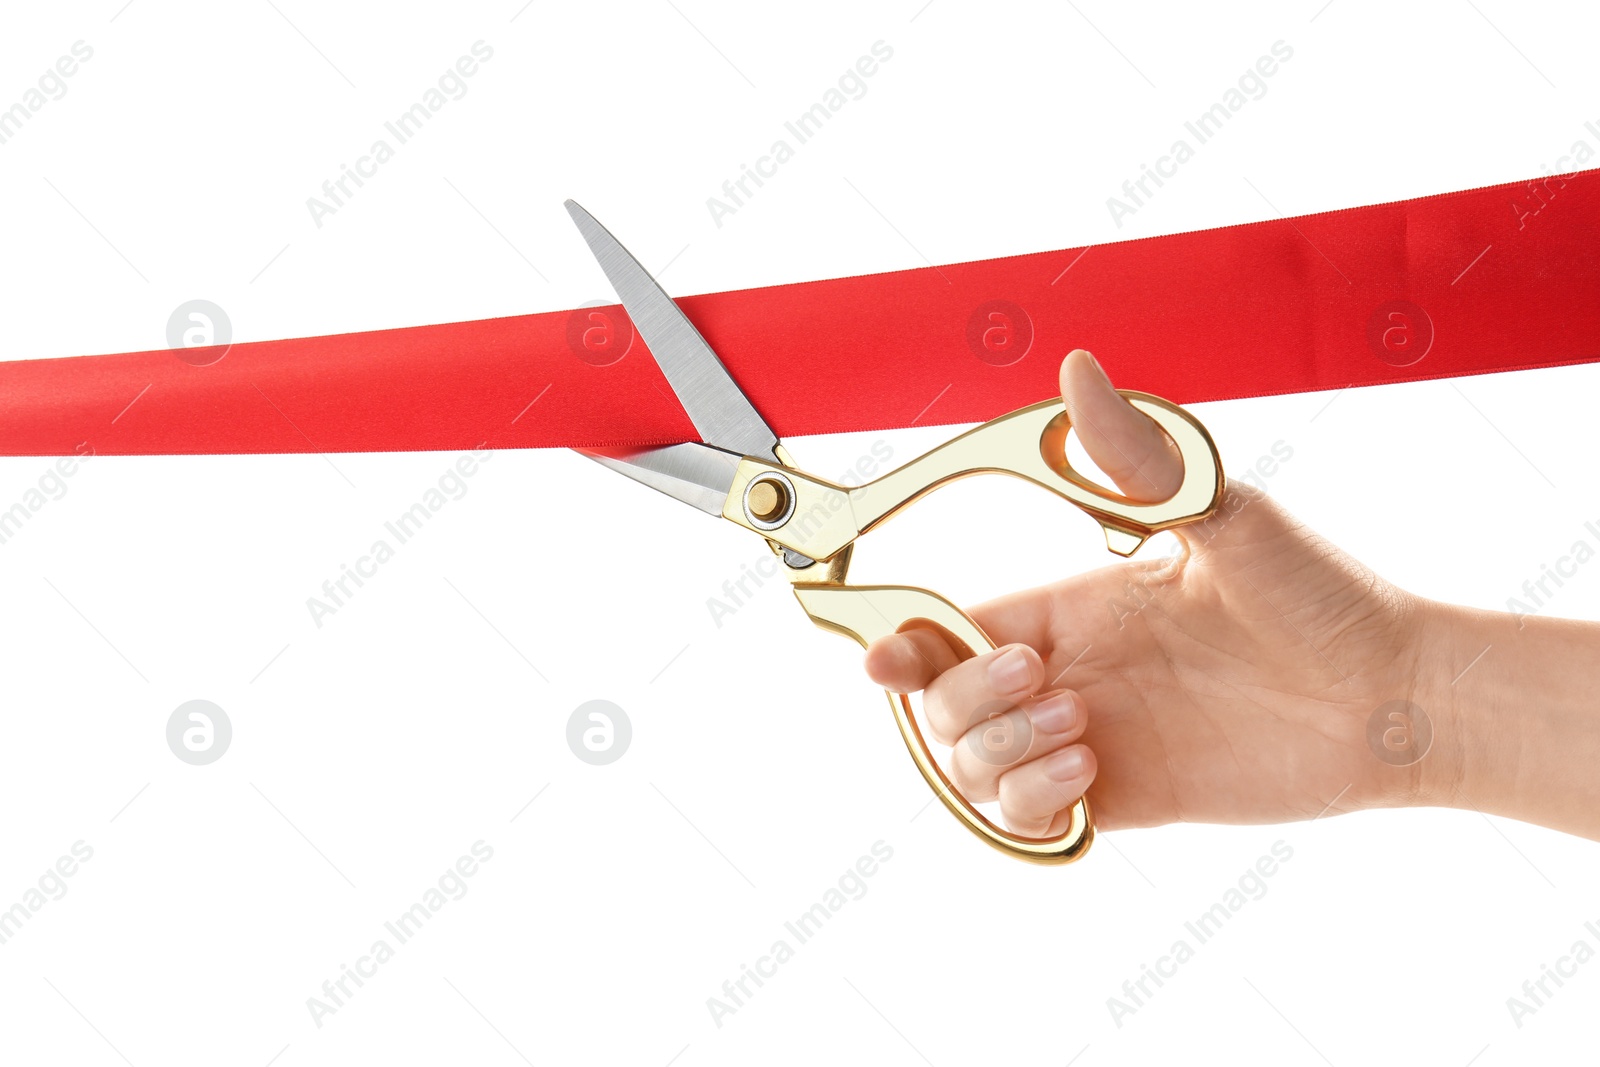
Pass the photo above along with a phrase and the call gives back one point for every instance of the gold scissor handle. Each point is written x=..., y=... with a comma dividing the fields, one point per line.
x=1028, y=443
x=821, y=520
x=867, y=612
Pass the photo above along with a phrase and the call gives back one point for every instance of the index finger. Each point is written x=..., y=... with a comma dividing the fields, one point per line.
x=908, y=661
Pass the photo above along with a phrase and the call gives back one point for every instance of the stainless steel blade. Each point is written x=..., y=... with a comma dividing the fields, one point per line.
x=716, y=405
x=696, y=474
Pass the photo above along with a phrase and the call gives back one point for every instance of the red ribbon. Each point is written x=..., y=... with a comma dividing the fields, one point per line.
x=1471, y=282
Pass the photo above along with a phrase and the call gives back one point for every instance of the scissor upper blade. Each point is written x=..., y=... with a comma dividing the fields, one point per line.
x=720, y=411
x=696, y=474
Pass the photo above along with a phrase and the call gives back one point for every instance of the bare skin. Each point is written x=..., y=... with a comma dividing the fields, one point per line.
x=1235, y=682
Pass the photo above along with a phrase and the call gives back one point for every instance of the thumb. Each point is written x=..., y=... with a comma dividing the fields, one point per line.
x=1146, y=465
x=1123, y=441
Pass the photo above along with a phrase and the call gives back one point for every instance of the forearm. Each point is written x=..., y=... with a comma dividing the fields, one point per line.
x=1515, y=707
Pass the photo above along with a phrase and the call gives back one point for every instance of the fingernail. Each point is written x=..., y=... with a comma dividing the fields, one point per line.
x=1055, y=714
x=1009, y=673
x=1065, y=765
x=1098, y=368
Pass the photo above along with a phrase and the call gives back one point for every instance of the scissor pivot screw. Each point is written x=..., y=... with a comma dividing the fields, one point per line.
x=766, y=501
x=769, y=500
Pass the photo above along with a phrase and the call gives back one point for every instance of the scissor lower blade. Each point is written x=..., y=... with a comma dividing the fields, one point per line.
x=697, y=474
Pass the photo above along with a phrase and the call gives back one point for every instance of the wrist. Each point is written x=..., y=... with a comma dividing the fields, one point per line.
x=1465, y=762
x=1511, y=704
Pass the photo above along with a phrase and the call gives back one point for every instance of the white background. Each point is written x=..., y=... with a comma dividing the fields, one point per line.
x=370, y=753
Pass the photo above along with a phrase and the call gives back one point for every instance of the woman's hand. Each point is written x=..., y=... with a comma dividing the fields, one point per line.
x=1231, y=683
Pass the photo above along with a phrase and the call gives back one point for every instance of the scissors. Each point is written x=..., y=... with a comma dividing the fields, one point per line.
x=740, y=472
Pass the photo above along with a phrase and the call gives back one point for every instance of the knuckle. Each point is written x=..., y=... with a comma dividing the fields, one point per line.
x=942, y=724
x=962, y=776
x=1027, y=810
x=975, y=780
x=1026, y=823
x=947, y=700
x=1014, y=798
x=1243, y=492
